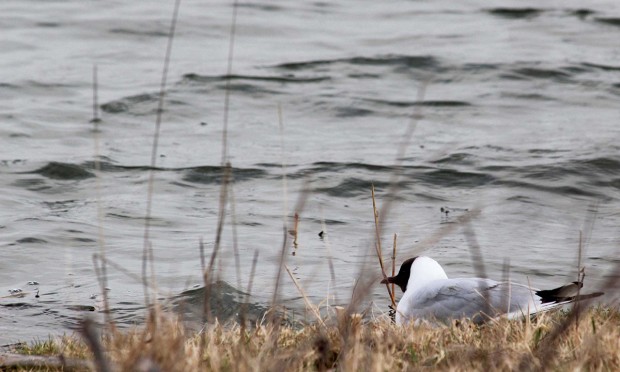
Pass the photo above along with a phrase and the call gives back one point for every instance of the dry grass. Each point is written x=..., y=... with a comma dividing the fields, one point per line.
x=350, y=344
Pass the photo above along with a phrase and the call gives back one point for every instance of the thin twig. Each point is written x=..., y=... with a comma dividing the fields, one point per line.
x=301, y=202
x=92, y=339
x=478, y=264
x=201, y=248
x=378, y=245
x=330, y=259
x=295, y=229
x=154, y=149
x=506, y=279
x=207, y=317
x=233, y=212
x=394, y=261
x=207, y=274
x=248, y=293
x=231, y=49
x=284, y=180
x=309, y=304
x=579, y=279
x=95, y=118
x=281, y=263
x=100, y=236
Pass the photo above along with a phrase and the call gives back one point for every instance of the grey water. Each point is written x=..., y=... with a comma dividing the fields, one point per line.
x=518, y=123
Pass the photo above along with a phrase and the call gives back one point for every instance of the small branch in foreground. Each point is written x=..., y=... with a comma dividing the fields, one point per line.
x=378, y=245
x=296, y=230
x=394, y=261
x=305, y=297
x=92, y=339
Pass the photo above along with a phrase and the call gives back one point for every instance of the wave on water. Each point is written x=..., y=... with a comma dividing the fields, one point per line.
x=426, y=103
x=31, y=240
x=160, y=32
x=611, y=21
x=423, y=62
x=467, y=168
x=538, y=73
x=216, y=174
x=63, y=171
x=196, y=78
x=132, y=104
x=225, y=303
x=515, y=13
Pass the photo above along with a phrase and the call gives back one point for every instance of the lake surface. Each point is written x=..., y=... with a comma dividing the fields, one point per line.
x=518, y=123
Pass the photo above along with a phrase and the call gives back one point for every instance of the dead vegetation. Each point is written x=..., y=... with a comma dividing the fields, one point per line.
x=346, y=343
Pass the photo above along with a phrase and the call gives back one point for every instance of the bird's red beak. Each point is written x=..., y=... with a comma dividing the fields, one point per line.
x=389, y=279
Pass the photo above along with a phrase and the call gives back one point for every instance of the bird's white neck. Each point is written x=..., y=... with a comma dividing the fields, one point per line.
x=424, y=270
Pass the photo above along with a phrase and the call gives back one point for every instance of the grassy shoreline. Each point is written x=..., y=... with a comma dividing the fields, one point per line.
x=558, y=341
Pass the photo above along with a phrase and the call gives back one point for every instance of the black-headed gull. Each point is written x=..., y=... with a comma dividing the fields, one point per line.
x=430, y=295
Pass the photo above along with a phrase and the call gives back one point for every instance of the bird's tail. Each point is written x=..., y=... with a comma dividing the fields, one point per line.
x=566, y=293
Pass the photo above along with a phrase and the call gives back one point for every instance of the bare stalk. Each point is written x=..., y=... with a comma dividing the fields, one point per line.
x=95, y=118
x=154, y=149
x=100, y=236
x=330, y=260
x=378, y=245
x=207, y=274
x=394, y=261
x=309, y=304
x=231, y=49
x=233, y=212
x=89, y=332
x=248, y=293
x=296, y=229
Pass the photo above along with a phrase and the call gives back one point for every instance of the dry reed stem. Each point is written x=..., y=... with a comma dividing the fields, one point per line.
x=92, y=339
x=394, y=261
x=248, y=293
x=103, y=278
x=154, y=149
x=231, y=49
x=299, y=206
x=95, y=118
x=207, y=273
x=233, y=212
x=281, y=263
x=296, y=229
x=506, y=279
x=307, y=301
x=378, y=245
x=330, y=260
x=478, y=264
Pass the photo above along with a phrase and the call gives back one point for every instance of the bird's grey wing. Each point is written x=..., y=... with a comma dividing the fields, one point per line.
x=475, y=298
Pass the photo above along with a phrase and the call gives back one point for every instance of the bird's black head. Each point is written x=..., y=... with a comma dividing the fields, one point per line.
x=403, y=275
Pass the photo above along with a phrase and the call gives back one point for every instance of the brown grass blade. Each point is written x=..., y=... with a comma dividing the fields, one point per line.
x=154, y=150
x=91, y=336
x=307, y=301
x=378, y=245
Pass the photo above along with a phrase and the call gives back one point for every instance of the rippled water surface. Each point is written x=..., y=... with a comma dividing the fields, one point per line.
x=518, y=122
